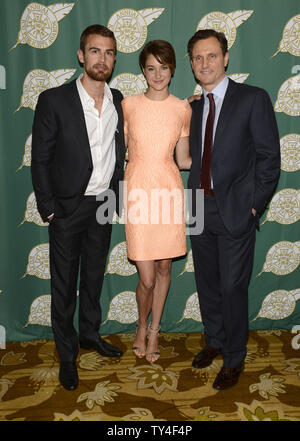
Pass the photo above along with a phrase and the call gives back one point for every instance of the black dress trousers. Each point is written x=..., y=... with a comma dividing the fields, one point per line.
x=77, y=241
x=223, y=266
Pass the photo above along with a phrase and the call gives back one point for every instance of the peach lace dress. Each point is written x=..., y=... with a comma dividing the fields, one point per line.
x=154, y=193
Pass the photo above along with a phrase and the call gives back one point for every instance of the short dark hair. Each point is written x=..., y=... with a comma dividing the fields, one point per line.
x=162, y=50
x=203, y=34
x=96, y=29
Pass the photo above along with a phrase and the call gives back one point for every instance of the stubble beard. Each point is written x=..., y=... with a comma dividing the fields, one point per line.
x=98, y=76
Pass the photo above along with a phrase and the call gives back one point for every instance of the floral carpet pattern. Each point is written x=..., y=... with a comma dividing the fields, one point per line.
x=130, y=389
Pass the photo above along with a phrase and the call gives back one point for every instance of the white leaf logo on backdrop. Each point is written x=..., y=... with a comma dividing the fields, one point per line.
x=284, y=207
x=279, y=304
x=290, y=152
x=192, y=310
x=237, y=77
x=40, y=311
x=32, y=214
x=189, y=264
x=39, y=24
x=129, y=84
x=226, y=23
x=38, y=262
x=38, y=80
x=123, y=308
x=131, y=27
x=282, y=258
x=118, y=262
x=119, y=220
x=290, y=41
x=27, y=154
x=288, y=98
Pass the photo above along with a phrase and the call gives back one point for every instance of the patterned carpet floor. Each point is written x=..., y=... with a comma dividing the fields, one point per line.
x=128, y=389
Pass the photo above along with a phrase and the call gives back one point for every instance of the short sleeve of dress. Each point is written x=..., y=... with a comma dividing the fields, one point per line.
x=186, y=120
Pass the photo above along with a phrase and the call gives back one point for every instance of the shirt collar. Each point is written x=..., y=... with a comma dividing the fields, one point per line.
x=86, y=98
x=220, y=89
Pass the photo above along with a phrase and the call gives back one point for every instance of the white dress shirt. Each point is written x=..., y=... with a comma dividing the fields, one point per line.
x=101, y=133
x=218, y=93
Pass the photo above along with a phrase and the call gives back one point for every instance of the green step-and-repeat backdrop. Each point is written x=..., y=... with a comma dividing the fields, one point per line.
x=38, y=49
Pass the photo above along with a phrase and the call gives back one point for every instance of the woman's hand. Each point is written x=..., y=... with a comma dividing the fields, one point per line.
x=194, y=98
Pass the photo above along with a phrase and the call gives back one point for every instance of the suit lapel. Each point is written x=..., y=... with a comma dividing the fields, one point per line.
x=79, y=120
x=225, y=114
x=196, y=128
x=119, y=131
x=118, y=107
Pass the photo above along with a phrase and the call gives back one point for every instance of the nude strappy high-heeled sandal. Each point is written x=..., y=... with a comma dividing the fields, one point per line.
x=138, y=351
x=155, y=354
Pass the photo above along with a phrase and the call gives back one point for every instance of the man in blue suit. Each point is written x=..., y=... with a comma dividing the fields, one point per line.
x=235, y=151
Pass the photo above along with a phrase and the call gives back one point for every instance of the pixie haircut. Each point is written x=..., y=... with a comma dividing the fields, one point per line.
x=162, y=51
x=99, y=30
x=203, y=34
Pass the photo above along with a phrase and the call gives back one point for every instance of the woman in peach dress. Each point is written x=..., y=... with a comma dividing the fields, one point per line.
x=155, y=123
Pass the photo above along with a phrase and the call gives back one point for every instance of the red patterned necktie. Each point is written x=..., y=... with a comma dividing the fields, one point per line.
x=208, y=145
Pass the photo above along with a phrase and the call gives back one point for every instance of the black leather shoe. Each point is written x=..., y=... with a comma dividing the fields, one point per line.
x=68, y=375
x=227, y=377
x=205, y=358
x=102, y=347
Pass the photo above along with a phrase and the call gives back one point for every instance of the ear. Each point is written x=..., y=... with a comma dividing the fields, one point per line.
x=80, y=56
x=226, y=59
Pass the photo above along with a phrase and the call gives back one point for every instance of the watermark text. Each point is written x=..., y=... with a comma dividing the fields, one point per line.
x=157, y=206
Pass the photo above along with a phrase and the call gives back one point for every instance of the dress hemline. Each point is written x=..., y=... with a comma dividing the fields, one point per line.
x=181, y=254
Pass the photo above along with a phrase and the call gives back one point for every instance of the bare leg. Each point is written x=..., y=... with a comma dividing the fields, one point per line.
x=162, y=284
x=144, y=298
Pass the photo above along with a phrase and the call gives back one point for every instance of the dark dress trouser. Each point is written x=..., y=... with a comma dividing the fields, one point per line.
x=223, y=267
x=77, y=241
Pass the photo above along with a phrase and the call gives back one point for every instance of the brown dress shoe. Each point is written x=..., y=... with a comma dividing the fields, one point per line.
x=205, y=357
x=227, y=377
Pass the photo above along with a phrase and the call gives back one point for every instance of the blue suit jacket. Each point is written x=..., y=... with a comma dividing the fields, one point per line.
x=246, y=154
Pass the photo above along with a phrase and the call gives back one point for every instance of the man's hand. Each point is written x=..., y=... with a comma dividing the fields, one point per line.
x=50, y=218
x=254, y=212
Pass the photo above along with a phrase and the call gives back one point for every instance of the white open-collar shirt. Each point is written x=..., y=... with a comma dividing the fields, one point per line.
x=101, y=133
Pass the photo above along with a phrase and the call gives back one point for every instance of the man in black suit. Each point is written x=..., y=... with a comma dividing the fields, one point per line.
x=78, y=154
x=235, y=151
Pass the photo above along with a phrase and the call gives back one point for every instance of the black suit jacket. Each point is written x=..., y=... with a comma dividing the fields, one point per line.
x=246, y=154
x=61, y=163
